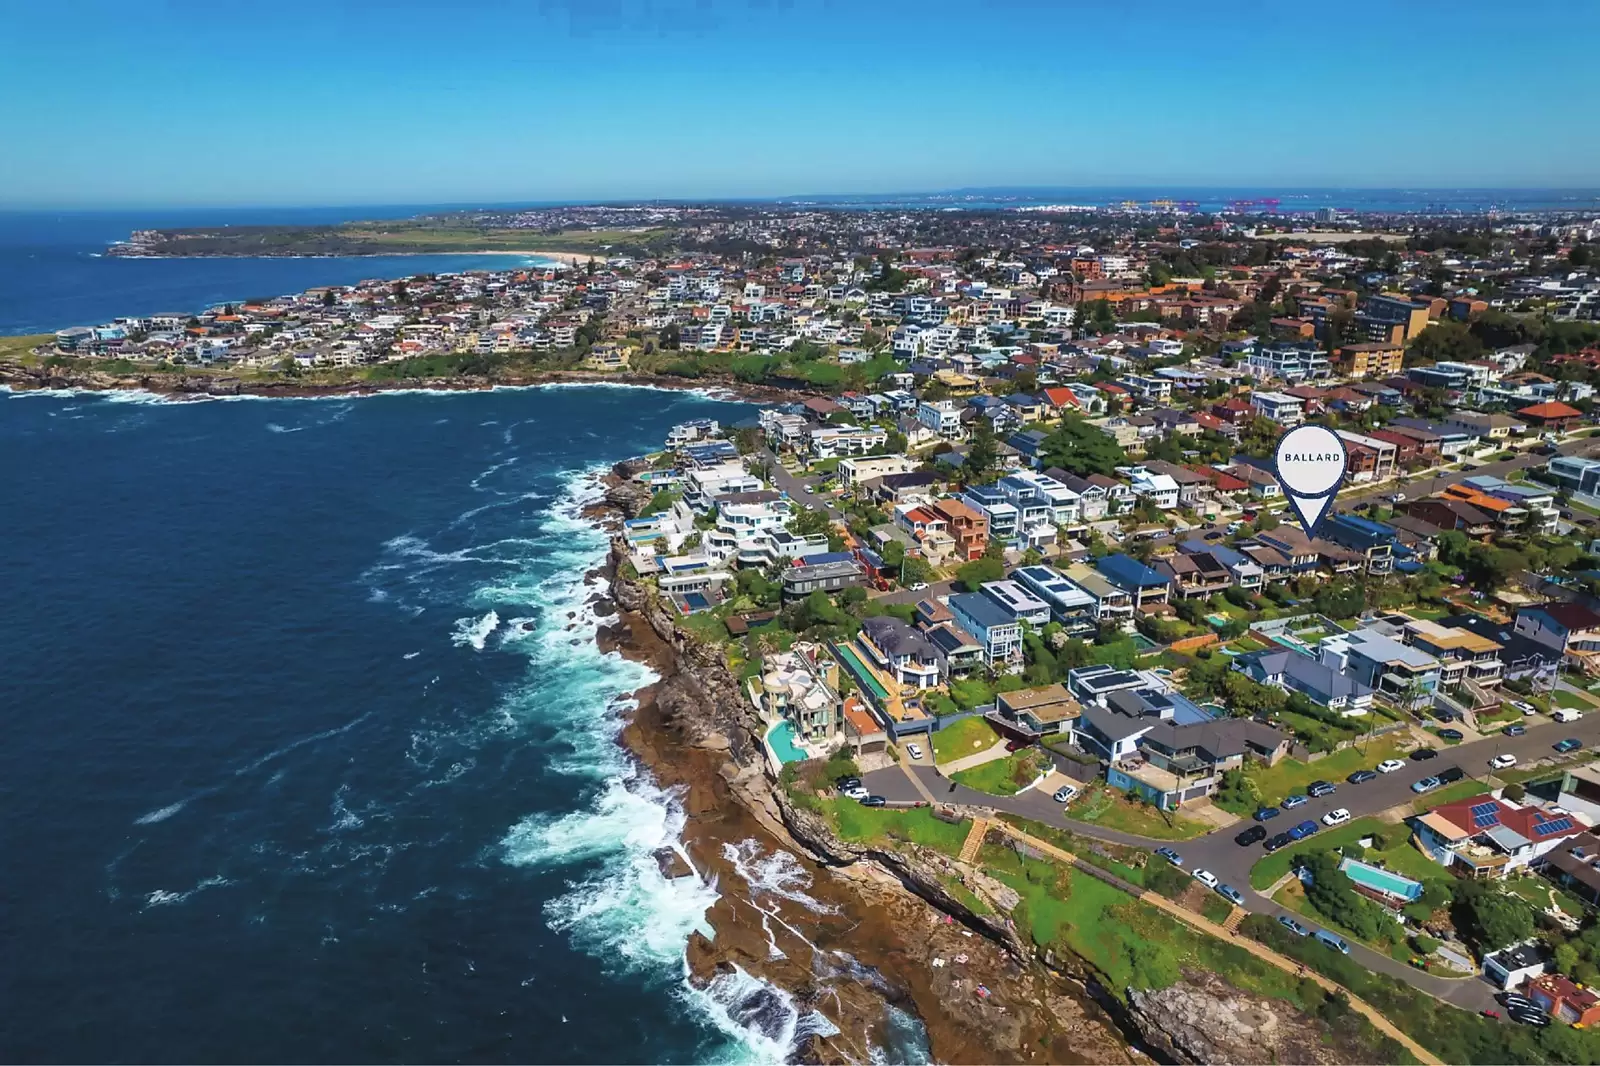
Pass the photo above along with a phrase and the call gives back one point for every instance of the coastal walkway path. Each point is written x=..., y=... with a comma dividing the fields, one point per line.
x=997, y=750
x=1227, y=931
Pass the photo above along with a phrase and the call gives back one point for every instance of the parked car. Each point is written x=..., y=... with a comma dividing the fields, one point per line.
x=1206, y=877
x=1338, y=816
x=1280, y=841
x=1565, y=714
x=1065, y=793
x=1451, y=734
x=1171, y=856
x=1327, y=939
x=1231, y=894
x=1423, y=754
x=1291, y=802
x=1318, y=789
x=1250, y=836
x=1266, y=814
x=847, y=782
x=1293, y=926
x=873, y=801
x=1523, y=705
x=1016, y=745
x=1361, y=777
x=1303, y=830
x=1515, y=730
x=1450, y=775
x=919, y=586
x=1389, y=766
x=1570, y=744
x=1500, y=762
x=1525, y=1016
x=913, y=751
x=856, y=792
x=1517, y=999
x=1427, y=784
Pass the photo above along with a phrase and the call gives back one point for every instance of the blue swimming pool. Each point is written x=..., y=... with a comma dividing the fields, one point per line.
x=696, y=600
x=1390, y=884
x=781, y=737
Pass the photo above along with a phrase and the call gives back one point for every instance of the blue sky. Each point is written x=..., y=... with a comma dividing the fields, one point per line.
x=122, y=104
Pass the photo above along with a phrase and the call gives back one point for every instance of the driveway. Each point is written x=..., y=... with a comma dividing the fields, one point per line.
x=1231, y=863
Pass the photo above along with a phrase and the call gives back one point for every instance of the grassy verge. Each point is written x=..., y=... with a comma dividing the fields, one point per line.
x=1454, y=1035
x=882, y=825
x=1001, y=776
x=1110, y=809
x=1137, y=946
x=1291, y=775
x=1127, y=863
x=1280, y=862
x=1448, y=794
x=966, y=737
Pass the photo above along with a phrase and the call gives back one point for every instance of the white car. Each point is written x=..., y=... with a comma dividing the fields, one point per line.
x=914, y=751
x=1065, y=794
x=1500, y=762
x=1336, y=817
x=1389, y=766
x=1524, y=707
x=919, y=586
x=1206, y=877
x=858, y=793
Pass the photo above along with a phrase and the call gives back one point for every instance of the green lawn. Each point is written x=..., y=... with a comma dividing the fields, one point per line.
x=19, y=347
x=1448, y=794
x=1430, y=613
x=966, y=737
x=965, y=895
x=705, y=626
x=883, y=825
x=1137, y=946
x=1127, y=863
x=1572, y=700
x=1246, y=644
x=1107, y=807
x=1291, y=775
x=1279, y=862
x=999, y=777
x=1536, y=890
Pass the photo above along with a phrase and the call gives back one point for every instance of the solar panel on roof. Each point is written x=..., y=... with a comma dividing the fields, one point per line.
x=1484, y=814
x=1544, y=829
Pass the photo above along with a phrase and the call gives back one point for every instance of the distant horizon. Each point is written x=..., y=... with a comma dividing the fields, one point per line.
x=1165, y=190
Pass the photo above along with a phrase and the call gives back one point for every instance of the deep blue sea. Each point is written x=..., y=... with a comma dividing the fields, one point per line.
x=54, y=273
x=310, y=754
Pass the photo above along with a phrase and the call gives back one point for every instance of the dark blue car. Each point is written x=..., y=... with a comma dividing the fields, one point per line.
x=1303, y=830
x=1266, y=814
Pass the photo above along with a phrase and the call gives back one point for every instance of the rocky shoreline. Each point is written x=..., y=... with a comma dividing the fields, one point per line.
x=179, y=386
x=889, y=913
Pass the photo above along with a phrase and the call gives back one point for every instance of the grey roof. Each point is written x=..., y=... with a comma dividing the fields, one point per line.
x=897, y=638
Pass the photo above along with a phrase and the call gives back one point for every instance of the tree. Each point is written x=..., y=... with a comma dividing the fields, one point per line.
x=1081, y=449
x=1489, y=919
x=917, y=570
x=974, y=574
x=982, y=454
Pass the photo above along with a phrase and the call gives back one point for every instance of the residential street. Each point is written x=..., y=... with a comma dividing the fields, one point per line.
x=1585, y=446
x=1231, y=863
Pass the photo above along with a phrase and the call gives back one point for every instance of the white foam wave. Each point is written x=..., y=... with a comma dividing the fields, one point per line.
x=274, y=427
x=165, y=898
x=474, y=631
x=763, y=1018
x=778, y=874
x=411, y=655
x=161, y=814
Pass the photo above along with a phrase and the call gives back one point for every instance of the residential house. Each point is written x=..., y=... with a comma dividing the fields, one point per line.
x=1018, y=601
x=1160, y=489
x=966, y=525
x=1070, y=605
x=1195, y=575
x=802, y=687
x=1465, y=658
x=1404, y=675
x=1483, y=837
x=830, y=575
x=1033, y=713
x=900, y=652
x=1553, y=416
x=1560, y=997
x=992, y=626
x=1575, y=866
x=1316, y=680
x=1148, y=588
x=854, y=471
x=1280, y=407
x=1569, y=629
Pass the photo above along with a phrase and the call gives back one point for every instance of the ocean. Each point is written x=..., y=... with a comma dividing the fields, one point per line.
x=311, y=753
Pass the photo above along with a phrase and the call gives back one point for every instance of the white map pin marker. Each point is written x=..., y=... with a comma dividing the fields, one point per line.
x=1311, y=466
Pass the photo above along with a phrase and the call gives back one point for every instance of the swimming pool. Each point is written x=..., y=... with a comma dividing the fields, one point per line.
x=781, y=737
x=1390, y=884
x=1143, y=643
x=696, y=600
x=848, y=656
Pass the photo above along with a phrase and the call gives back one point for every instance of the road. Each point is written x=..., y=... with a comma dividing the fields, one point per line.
x=1218, y=852
x=1585, y=446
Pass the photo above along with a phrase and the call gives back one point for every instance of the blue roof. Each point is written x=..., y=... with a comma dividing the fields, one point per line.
x=828, y=557
x=1409, y=566
x=981, y=609
x=1129, y=572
